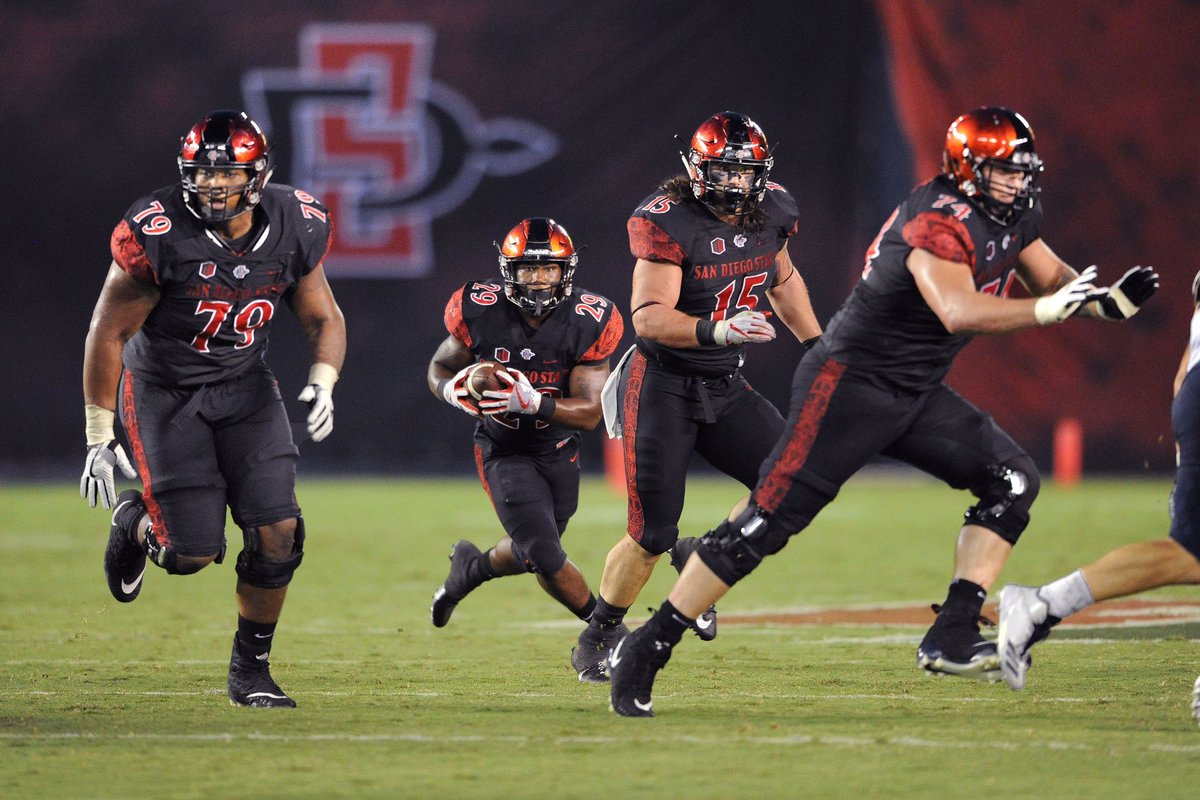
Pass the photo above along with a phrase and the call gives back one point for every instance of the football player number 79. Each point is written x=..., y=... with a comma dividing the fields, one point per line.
x=248, y=320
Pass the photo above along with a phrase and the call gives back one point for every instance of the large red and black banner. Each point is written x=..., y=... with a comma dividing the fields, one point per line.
x=429, y=129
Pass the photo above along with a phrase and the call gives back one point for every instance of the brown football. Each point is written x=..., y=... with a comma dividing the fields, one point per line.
x=484, y=377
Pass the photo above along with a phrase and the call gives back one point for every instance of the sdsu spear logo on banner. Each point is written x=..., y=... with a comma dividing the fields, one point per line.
x=385, y=147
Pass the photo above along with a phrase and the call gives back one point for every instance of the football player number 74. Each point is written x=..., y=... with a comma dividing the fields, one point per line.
x=245, y=323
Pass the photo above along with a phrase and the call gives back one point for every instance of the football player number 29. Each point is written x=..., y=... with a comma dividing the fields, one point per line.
x=745, y=298
x=245, y=323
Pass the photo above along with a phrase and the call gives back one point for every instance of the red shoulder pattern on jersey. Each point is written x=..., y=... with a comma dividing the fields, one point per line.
x=942, y=235
x=648, y=241
x=609, y=338
x=453, y=318
x=129, y=254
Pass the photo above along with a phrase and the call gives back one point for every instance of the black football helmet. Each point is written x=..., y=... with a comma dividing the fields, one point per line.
x=991, y=136
x=729, y=140
x=223, y=140
x=531, y=241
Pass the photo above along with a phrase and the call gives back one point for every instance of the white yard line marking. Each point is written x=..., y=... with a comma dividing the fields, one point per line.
x=792, y=740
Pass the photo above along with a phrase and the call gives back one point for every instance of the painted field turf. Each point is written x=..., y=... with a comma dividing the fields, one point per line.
x=99, y=700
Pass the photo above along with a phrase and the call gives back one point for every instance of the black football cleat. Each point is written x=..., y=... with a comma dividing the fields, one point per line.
x=632, y=667
x=705, y=625
x=250, y=682
x=124, y=558
x=589, y=656
x=954, y=646
x=458, y=584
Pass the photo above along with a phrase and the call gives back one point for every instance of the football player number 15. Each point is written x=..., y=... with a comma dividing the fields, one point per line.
x=245, y=323
x=745, y=299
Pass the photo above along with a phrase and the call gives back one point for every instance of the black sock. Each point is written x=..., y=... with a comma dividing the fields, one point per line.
x=965, y=597
x=607, y=616
x=254, y=638
x=588, y=609
x=670, y=622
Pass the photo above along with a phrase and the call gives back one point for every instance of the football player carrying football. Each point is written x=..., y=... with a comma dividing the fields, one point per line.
x=553, y=340
x=711, y=247
x=177, y=343
x=938, y=273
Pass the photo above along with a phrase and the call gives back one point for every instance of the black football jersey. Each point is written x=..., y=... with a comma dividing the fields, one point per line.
x=585, y=328
x=885, y=326
x=725, y=269
x=213, y=318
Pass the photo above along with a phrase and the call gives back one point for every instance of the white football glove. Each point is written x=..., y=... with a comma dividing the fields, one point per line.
x=318, y=394
x=455, y=389
x=1069, y=299
x=521, y=398
x=97, y=480
x=1127, y=296
x=320, y=410
x=744, y=326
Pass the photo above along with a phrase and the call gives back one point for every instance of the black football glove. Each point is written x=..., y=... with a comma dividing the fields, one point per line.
x=1127, y=296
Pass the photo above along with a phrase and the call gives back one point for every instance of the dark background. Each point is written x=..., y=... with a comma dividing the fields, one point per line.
x=856, y=98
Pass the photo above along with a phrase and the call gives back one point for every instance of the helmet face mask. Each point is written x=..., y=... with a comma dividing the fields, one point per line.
x=215, y=150
x=725, y=146
x=537, y=242
x=992, y=158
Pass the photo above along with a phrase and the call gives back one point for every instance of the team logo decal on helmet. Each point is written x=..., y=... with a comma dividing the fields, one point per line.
x=728, y=142
x=537, y=240
x=223, y=140
x=992, y=137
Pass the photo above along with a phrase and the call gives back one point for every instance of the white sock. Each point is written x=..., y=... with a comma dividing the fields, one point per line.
x=1067, y=595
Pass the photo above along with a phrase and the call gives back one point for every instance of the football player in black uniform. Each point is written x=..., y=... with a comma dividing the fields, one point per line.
x=711, y=246
x=938, y=273
x=554, y=340
x=177, y=342
x=1028, y=613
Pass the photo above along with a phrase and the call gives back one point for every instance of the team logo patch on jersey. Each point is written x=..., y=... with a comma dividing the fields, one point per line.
x=739, y=241
x=241, y=271
x=527, y=354
x=718, y=246
x=208, y=269
x=502, y=355
x=384, y=145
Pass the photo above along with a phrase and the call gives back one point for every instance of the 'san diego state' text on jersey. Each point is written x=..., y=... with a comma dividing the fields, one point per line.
x=213, y=317
x=584, y=329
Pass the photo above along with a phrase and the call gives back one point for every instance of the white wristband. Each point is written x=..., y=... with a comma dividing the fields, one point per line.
x=323, y=375
x=99, y=426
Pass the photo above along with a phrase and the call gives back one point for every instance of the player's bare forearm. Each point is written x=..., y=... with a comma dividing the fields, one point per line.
x=667, y=326
x=581, y=410
x=120, y=311
x=949, y=290
x=792, y=304
x=322, y=320
x=656, y=287
x=327, y=340
x=450, y=357
x=101, y=370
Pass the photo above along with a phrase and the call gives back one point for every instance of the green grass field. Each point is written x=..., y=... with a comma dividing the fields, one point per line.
x=99, y=700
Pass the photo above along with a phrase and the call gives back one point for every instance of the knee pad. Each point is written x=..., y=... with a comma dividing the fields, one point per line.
x=542, y=557
x=1005, y=499
x=267, y=573
x=733, y=549
x=169, y=559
